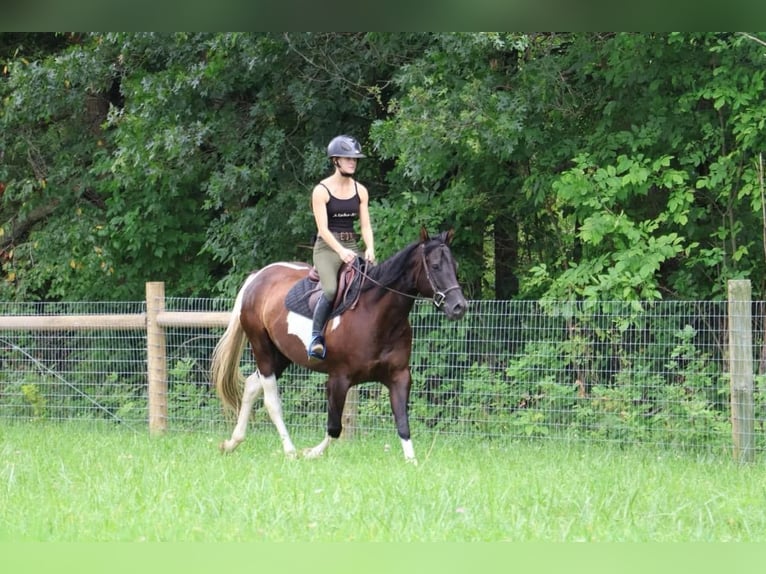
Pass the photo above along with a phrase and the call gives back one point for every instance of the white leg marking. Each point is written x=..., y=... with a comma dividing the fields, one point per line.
x=274, y=407
x=253, y=388
x=409, y=451
x=319, y=449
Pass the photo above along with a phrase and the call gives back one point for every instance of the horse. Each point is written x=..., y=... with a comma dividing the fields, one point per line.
x=371, y=341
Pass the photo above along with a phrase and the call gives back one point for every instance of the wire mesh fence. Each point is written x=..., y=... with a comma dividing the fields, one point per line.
x=72, y=374
x=624, y=372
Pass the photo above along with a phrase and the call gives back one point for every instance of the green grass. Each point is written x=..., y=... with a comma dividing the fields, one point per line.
x=66, y=483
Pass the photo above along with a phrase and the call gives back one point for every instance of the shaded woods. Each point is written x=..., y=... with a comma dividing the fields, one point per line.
x=572, y=166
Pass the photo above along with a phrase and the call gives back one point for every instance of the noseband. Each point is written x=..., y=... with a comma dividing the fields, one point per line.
x=439, y=296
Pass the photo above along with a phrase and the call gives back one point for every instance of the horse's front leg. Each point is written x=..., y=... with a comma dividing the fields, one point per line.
x=337, y=389
x=253, y=388
x=399, y=395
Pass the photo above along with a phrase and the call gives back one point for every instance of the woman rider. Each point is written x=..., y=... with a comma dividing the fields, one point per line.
x=337, y=202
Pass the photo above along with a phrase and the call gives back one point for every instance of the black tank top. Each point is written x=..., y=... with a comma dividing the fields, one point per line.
x=341, y=213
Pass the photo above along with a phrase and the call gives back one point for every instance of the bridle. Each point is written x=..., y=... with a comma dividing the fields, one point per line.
x=438, y=297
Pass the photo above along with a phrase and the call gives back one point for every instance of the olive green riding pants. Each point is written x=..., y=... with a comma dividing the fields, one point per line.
x=328, y=263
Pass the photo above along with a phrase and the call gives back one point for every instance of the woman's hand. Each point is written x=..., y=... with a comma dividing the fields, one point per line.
x=369, y=255
x=347, y=255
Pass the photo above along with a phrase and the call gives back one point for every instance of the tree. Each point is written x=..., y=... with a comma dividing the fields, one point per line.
x=456, y=129
x=587, y=165
x=48, y=138
x=582, y=165
x=181, y=157
x=662, y=199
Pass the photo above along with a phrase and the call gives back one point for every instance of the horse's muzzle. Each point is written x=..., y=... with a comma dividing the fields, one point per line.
x=455, y=310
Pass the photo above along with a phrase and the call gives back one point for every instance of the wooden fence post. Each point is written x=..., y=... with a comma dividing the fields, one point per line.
x=741, y=369
x=156, y=359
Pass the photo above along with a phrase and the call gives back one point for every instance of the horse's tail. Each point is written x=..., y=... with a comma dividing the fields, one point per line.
x=224, y=368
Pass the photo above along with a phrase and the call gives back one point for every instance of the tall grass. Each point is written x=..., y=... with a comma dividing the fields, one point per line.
x=65, y=483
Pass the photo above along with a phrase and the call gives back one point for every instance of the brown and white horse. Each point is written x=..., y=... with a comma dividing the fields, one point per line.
x=370, y=342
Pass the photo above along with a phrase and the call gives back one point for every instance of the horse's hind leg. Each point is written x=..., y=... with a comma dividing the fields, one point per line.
x=274, y=407
x=255, y=384
x=319, y=449
x=253, y=388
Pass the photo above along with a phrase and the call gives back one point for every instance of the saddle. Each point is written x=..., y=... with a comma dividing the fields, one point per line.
x=303, y=296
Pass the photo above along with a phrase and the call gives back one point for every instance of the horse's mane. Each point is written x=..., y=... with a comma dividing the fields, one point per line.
x=391, y=270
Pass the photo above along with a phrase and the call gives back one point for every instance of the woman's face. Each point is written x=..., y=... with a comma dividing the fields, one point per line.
x=347, y=164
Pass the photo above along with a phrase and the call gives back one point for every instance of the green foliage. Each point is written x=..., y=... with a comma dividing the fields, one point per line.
x=611, y=372
x=578, y=165
x=649, y=216
x=190, y=402
x=186, y=166
x=618, y=372
x=622, y=256
x=35, y=399
x=454, y=130
x=62, y=377
x=21, y=396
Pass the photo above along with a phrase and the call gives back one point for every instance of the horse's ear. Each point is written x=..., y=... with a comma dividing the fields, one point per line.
x=423, y=233
x=450, y=235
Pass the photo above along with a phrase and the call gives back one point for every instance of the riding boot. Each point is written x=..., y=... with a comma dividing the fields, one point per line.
x=316, y=348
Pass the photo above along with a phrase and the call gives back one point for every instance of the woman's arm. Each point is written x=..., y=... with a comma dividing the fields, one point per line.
x=365, y=225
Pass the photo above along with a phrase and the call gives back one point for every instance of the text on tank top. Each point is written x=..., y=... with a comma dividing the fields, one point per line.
x=341, y=213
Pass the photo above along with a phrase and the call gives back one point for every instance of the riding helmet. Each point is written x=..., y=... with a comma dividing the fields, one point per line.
x=344, y=146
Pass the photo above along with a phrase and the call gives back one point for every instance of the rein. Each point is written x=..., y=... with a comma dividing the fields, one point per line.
x=438, y=296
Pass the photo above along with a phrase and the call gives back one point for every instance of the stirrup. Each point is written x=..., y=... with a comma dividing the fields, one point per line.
x=317, y=348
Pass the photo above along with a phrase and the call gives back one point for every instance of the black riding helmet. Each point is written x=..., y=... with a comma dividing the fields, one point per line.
x=344, y=146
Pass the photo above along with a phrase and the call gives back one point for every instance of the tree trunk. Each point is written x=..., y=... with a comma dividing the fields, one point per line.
x=506, y=258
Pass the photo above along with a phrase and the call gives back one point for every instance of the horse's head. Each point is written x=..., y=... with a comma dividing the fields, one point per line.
x=439, y=277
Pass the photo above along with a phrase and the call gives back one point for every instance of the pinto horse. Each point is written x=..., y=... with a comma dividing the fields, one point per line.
x=370, y=342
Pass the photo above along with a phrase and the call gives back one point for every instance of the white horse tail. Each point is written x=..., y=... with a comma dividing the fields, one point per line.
x=224, y=368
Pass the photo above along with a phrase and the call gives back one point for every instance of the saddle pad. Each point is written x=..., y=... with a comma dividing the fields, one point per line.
x=297, y=299
x=303, y=296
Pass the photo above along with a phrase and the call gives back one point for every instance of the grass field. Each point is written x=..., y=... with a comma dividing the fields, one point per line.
x=65, y=483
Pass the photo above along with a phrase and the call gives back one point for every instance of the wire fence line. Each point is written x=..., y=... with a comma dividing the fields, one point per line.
x=611, y=371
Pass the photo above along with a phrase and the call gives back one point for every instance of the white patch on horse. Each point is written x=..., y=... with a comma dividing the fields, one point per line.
x=299, y=326
x=334, y=324
x=240, y=296
x=296, y=266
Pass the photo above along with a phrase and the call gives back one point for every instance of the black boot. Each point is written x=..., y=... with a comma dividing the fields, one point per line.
x=317, y=349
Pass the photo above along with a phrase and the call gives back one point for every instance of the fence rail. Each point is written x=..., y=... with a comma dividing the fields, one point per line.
x=674, y=374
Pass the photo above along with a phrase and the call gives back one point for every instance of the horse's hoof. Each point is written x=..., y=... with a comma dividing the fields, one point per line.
x=312, y=453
